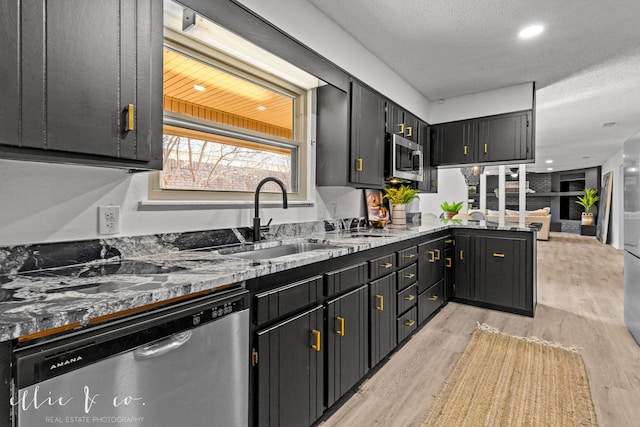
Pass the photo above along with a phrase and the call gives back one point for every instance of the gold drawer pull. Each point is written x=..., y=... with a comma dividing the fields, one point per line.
x=386, y=265
x=410, y=297
x=432, y=256
x=461, y=255
x=434, y=298
x=486, y=148
x=449, y=263
x=409, y=276
x=448, y=241
x=410, y=256
x=316, y=346
x=437, y=254
x=380, y=305
x=465, y=150
x=341, y=330
x=409, y=131
x=410, y=323
x=254, y=358
x=497, y=255
x=401, y=125
x=359, y=165
x=131, y=122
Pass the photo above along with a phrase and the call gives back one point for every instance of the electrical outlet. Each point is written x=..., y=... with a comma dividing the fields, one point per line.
x=108, y=219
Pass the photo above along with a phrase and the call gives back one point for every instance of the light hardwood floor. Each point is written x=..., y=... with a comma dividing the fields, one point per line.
x=580, y=302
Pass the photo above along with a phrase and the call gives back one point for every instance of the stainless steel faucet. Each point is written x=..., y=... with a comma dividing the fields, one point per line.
x=256, y=217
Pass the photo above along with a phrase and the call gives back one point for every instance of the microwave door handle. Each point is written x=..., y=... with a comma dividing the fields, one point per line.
x=163, y=347
x=417, y=155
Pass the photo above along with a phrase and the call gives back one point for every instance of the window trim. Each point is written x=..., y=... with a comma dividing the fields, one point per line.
x=215, y=58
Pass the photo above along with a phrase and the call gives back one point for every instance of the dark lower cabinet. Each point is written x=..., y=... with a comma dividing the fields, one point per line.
x=89, y=84
x=291, y=371
x=464, y=268
x=382, y=315
x=431, y=261
x=501, y=272
x=430, y=300
x=449, y=270
x=347, y=342
x=407, y=323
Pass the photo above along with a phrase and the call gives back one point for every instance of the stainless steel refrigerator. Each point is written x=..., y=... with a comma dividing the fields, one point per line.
x=632, y=235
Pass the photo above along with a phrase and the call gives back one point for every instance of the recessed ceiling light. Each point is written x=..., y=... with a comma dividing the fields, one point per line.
x=609, y=124
x=549, y=169
x=549, y=161
x=531, y=31
x=261, y=107
x=200, y=88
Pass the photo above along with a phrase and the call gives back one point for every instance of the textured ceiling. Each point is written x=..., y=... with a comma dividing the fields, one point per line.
x=586, y=64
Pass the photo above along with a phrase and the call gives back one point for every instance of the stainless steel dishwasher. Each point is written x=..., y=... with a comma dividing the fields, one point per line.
x=181, y=365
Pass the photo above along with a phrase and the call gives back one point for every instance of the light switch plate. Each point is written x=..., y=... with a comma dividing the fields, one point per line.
x=108, y=219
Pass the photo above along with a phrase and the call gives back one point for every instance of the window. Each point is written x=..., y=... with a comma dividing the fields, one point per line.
x=227, y=124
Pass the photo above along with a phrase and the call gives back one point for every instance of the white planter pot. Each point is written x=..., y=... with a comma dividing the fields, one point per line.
x=399, y=215
x=587, y=218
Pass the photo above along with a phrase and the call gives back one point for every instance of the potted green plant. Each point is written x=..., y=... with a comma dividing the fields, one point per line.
x=399, y=197
x=587, y=201
x=451, y=209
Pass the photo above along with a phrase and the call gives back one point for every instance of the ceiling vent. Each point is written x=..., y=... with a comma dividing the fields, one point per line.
x=609, y=124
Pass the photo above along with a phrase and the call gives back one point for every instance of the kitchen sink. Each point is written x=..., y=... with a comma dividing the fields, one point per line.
x=281, y=250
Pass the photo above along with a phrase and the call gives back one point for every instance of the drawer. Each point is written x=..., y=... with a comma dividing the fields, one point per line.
x=407, y=276
x=407, y=323
x=287, y=299
x=430, y=300
x=407, y=298
x=345, y=279
x=382, y=266
x=407, y=256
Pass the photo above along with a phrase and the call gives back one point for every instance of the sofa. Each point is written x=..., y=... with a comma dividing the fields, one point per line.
x=540, y=216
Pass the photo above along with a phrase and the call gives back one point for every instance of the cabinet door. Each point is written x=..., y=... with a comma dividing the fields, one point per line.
x=464, y=268
x=504, y=137
x=430, y=264
x=449, y=276
x=429, y=183
x=347, y=342
x=290, y=371
x=411, y=127
x=9, y=78
x=501, y=271
x=395, y=119
x=367, y=137
x=382, y=311
x=82, y=65
x=456, y=142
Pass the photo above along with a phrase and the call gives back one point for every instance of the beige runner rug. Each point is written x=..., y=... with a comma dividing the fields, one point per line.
x=507, y=381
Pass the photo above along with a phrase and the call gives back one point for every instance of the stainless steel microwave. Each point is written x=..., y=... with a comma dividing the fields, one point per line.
x=404, y=159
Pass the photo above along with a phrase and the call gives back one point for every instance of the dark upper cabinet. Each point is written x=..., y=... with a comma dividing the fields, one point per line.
x=501, y=271
x=83, y=82
x=429, y=184
x=350, y=137
x=454, y=143
x=504, y=138
x=347, y=342
x=402, y=122
x=464, y=268
x=291, y=371
x=382, y=312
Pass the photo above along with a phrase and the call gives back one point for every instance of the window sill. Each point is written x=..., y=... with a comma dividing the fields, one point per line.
x=176, y=205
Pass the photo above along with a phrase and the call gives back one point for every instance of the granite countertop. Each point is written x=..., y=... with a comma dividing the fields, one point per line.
x=43, y=299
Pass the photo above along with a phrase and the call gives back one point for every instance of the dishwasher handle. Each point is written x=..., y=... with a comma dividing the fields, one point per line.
x=163, y=347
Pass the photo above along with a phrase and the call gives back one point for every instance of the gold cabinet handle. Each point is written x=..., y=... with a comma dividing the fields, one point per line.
x=465, y=150
x=434, y=298
x=410, y=297
x=401, y=125
x=386, y=265
x=497, y=255
x=448, y=241
x=341, y=322
x=316, y=346
x=410, y=323
x=380, y=305
x=131, y=118
x=254, y=358
x=432, y=256
x=461, y=255
x=409, y=131
x=359, y=165
x=486, y=149
x=449, y=263
x=409, y=276
x=437, y=254
x=410, y=256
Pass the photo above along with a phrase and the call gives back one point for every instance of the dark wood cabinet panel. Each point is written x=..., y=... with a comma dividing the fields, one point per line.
x=291, y=371
x=430, y=300
x=407, y=256
x=279, y=302
x=345, y=279
x=464, y=268
x=431, y=264
x=81, y=65
x=382, y=313
x=407, y=298
x=407, y=276
x=504, y=138
x=347, y=342
x=381, y=266
x=449, y=271
x=407, y=323
x=9, y=74
x=429, y=183
x=455, y=142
